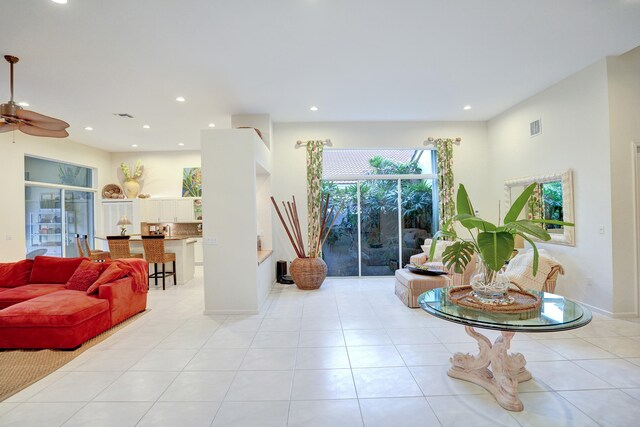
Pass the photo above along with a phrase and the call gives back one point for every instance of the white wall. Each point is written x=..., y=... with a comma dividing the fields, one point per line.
x=289, y=164
x=162, y=170
x=575, y=134
x=229, y=217
x=12, y=214
x=624, y=112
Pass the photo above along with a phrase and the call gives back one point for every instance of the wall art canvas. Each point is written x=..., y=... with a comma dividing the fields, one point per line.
x=191, y=182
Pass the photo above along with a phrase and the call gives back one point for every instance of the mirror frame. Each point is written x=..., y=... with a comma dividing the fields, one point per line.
x=568, y=236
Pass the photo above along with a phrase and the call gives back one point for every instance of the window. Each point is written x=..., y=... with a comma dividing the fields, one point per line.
x=56, y=206
x=388, y=199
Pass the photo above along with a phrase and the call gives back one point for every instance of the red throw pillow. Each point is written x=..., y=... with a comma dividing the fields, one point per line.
x=49, y=269
x=111, y=273
x=86, y=273
x=14, y=274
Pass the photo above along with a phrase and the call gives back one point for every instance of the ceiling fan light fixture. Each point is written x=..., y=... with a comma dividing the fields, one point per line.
x=88, y=128
x=23, y=104
x=17, y=118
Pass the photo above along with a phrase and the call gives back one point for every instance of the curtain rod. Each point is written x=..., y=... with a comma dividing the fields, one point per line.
x=432, y=141
x=326, y=142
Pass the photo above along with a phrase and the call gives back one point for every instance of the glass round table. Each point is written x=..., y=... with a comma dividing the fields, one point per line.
x=556, y=313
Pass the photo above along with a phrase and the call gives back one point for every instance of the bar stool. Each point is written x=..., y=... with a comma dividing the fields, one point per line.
x=92, y=254
x=154, y=253
x=119, y=247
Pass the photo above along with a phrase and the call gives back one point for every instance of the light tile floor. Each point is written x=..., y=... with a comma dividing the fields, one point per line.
x=347, y=355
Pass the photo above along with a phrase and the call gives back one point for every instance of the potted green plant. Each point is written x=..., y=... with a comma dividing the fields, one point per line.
x=492, y=243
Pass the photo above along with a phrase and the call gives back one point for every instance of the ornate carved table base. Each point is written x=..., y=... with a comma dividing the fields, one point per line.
x=507, y=370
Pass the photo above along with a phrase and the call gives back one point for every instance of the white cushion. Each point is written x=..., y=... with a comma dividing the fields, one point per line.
x=441, y=245
x=520, y=269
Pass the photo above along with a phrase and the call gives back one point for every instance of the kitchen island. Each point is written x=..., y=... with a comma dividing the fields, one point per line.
x=182, y=246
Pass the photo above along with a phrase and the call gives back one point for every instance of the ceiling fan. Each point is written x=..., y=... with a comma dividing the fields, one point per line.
x=29, y=122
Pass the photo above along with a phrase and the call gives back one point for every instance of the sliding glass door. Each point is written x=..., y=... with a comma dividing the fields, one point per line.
x=43, y=221
x=59, y=202
x=378, y=227
x=382, y=223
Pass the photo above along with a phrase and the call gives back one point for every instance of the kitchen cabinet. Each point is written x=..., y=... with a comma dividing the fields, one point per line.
x=113, y=210
x=169, y=210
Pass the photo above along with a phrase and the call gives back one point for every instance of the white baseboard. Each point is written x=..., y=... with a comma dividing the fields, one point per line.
x=214, y=312
x=620, y=315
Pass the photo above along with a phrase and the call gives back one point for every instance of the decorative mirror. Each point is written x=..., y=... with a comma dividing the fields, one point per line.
x=553, y=199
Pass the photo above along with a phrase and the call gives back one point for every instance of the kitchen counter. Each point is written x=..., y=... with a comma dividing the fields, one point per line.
x=263, y=255
x=182, y=246
x=133, y=237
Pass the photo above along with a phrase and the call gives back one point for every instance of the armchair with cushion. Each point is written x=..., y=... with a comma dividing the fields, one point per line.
x=458, y=279
x=520, y=271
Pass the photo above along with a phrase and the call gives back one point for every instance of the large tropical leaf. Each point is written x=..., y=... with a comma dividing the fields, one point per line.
x=535, y=253
x=463, y=203
x=527, y=227
x=496, y=248
x=552, y=221
x=440, y=234
x=519, y=204
x=471, y=221
x=458, y=255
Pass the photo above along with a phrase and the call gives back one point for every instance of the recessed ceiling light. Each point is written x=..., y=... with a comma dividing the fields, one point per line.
x=23, y=104
x=181, y=143
x=88, y=128
x=146, y=127
x=467, y=107
x=212, y=125
x=60, y=1
x=134, y=145
x=313, y=108
x=180, y=99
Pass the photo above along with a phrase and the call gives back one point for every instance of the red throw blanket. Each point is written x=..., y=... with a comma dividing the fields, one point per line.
x=138, y=271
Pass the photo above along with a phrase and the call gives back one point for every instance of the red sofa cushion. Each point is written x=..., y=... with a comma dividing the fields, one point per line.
x=86, y=273
x=13, y=296
x=111, y=273
x=63, y=308
x=48, y=269
x=14, y=274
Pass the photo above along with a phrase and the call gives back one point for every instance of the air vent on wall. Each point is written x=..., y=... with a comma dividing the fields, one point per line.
x=535, y=128
x=123, y=115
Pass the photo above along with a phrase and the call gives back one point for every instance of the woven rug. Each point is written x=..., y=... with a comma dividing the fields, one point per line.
x=21, y=368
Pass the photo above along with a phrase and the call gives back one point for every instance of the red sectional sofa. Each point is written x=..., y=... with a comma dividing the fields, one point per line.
x=38, y=311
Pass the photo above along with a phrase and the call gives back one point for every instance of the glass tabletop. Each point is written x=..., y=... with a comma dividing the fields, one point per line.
x=556, y=313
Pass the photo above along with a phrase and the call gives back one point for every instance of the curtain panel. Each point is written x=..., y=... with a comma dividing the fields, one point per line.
x=446, y=199
x=314, y=192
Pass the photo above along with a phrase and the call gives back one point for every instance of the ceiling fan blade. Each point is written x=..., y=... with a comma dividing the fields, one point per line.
x=38, y=131
x=7, y=127
x=42, y=121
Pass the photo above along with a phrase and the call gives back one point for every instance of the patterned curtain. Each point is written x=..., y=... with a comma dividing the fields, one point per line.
x=314, y=192
x=446, y=199
x=535, y=204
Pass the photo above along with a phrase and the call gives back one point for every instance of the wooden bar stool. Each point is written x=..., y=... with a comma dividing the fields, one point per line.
x=119, y=247
x=154, y=253
x=82, y=243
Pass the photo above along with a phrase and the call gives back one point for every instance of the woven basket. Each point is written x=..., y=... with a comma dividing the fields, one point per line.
x=308, y=273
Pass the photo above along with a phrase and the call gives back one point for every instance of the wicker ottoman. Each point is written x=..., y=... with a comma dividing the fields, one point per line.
x=409, y=286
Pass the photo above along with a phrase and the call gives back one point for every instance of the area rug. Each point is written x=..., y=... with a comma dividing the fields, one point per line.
x=21, y=368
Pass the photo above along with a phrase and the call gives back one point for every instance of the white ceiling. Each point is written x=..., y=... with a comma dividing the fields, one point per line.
x=355, y=59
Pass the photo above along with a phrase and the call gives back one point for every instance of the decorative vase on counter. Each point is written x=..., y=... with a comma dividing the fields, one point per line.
x=308, y=273
x=131, y=188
